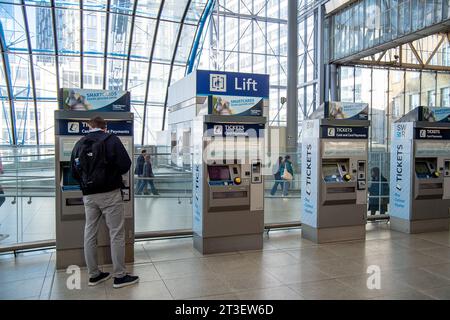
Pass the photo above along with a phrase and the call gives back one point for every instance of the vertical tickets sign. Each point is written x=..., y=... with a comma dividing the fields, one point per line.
x=310, y=160
x=400, y=176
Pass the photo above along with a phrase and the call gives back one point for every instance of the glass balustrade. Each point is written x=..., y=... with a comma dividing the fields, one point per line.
x=28, y=183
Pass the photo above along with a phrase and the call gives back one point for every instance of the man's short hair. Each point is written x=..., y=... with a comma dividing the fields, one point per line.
x=143, y=151
x=97, y=122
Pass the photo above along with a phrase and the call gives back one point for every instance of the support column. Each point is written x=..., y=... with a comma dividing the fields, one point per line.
x=333, y=83
x=292, y=61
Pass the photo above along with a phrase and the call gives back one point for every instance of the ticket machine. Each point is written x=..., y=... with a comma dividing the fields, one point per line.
x=334, y=172
x=70, y=126
x=420, y=171
x=228, y=195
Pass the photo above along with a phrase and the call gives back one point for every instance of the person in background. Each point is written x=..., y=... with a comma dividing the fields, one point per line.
x=378, y=192
x=286, y=165
x=139, y=170
x=2, y=200
x=148, y=177
x=277, y=176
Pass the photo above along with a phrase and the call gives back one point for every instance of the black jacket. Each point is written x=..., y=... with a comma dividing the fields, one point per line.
x=139, y=170
x=119, y=162
x=147, y=170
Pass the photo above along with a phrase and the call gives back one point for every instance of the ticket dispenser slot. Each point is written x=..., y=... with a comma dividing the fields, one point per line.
x=429, y=181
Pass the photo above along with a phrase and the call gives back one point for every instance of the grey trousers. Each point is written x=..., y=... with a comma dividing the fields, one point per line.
x=109, y=204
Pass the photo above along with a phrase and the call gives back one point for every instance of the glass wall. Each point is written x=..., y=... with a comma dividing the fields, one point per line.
x=368, y=23
x=109, y=44
x=390, y=93
x=251, y=36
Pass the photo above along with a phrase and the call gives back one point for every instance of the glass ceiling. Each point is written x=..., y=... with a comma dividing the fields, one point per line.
x=104, y=44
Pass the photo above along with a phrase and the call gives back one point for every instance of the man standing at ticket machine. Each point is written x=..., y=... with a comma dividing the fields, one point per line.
x=98, y=162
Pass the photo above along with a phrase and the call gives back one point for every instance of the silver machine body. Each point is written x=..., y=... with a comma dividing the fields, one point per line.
x=228, y=191
x=71, y=126
x=334, y=179
x=420, y=174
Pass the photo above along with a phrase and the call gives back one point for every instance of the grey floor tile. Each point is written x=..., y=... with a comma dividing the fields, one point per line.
x=339, y=267
x=230, y=264
x=21, y=289
x=182, y=268
x=442, y=270
x=193, y=287
x=278, y=293
x=330, y=289
x=313, y=253
x=420, y=279
x=151, y=290
x=227, y=296
x=256, y=280
x=273, y=258
x=388, y=285
x=442, y=293
x=407, y=295
x=87, y=293
x=440, y=253
x=417, y=243
x=297, y=273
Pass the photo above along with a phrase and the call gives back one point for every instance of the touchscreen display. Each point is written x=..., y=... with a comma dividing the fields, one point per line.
x=218, y=173
x=422, y=168
x=68, y=180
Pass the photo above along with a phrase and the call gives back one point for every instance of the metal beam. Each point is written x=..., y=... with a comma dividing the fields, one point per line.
x=435, y=49
x=33, y=82
x=172, y=61
x=105, y=52
x=149, y=70
x=55, y=40
x=8, y=83
x=127, y=72
x=81, y=45
x=416, y=54
x=403, y=66
x=292, y=79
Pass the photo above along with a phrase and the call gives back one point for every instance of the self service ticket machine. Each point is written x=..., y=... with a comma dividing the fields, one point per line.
x=228, y=197
x=334, y=173
x=70, y=126
x=420, y=171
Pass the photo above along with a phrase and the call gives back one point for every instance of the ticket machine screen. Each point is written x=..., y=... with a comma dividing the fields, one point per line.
x=218, y=173
x=422, y=170
x=331, y=172
x=68, y=182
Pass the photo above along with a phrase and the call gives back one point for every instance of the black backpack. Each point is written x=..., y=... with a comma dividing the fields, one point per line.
x=93, y=164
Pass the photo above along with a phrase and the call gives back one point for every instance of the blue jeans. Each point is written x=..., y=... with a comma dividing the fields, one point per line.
x=286, y=185
x=143, y=183
x=275, y=186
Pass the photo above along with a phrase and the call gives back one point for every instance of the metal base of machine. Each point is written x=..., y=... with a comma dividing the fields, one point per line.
x=324, y=235
x=68, y=257
x=419, y=226
x=228, y=244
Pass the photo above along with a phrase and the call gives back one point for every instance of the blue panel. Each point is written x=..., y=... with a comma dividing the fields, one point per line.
x=232, y=84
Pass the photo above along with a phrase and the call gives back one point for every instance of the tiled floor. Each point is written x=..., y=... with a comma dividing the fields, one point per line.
x=289, y=267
